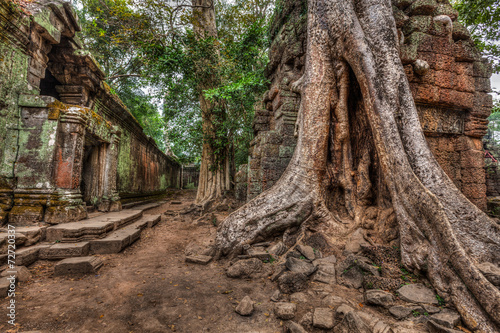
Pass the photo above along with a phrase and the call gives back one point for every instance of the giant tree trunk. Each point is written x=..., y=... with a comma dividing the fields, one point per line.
x=441, y=232
x=214, y=170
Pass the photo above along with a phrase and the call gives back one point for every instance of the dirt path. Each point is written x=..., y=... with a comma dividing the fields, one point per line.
x=146, y=288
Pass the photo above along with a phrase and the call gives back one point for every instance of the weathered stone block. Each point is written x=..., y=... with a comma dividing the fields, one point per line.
x=82, y=265
x=65, y=250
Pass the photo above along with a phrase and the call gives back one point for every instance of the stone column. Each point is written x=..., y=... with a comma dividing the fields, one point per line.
x=38, y=129
x=67, y=204
x=111, y=199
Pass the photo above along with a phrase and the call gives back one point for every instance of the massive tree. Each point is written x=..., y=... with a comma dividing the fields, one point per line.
x=215, y=168
x=353, y=75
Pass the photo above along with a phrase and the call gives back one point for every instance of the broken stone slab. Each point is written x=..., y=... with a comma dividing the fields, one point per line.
x=417, y=293
x=245, y=268
x=352, y=322
x=300, y=266
x=326, y=260
x=198, y=259
x=291, y=282
x=279, y=270
x=245, y=308
x=81, y=265
x=356, y=240
x=332, y=300
x=342, y=310
x=285, y=311
x=401, y=312
x=21, y=273
x=324, y=278
x=115, y=242
x=5, y=285
x=446, y=318
x=306, y=251
x=491, y=272
x=299, y=297
x=374, y=323
x=379, y=297
x=293, y=327
x=326, y=268
x=27, y=256
x=434, y=327
x=307, y=319
x=65, y=250
x=431, y=309
x=323, y=318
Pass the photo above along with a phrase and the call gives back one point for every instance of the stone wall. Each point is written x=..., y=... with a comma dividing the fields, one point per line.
x=190, y=176
x=448, y=78
x=491, y=144
x=66, y=141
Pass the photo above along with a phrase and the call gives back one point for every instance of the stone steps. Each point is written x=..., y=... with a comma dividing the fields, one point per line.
x=97, y=227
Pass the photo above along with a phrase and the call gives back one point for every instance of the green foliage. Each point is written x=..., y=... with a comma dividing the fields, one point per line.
x=482, y=18
x=151, y=44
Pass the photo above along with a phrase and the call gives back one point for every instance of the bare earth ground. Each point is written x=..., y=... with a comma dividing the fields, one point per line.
x=146, y=288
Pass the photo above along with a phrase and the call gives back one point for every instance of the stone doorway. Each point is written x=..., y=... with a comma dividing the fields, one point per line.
x=92, y=183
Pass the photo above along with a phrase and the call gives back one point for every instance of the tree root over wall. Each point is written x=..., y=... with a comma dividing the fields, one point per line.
x=441, y=233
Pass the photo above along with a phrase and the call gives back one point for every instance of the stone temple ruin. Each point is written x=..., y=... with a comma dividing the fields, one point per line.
x=449, y=81
x=67, y=143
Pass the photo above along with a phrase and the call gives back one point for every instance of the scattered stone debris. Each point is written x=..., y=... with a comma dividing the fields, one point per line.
x=21, y=273
x=323, y=318
x=307, y=252
x=246, y=306
x=300, y=266
x=291, y=282
x=434, y=327
x=284, y=310
x=417, y=293
x=299, y=297
x=446, y=318
x=379, y=297
x=81, y=265
x=244, y=268
x=199, y=259
x=293, y=327
x=401, y=312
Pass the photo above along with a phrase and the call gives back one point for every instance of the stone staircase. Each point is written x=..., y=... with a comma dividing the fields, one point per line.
x=102, y=233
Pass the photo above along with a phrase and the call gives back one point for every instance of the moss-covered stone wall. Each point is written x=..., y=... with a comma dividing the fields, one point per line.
x=66, y=141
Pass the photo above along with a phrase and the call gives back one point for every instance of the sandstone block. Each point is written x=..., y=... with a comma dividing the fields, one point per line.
x=245, y=308
x=82, y=265
x=323, y=318
x=198, y=259
x=285, y=311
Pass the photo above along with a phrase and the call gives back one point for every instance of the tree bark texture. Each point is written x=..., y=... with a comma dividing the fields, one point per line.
x=215, y=166
x=441, y=233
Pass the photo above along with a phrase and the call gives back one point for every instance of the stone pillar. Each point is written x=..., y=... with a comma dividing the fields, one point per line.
x=66, y=204
x=33, y=168
x=111, y=199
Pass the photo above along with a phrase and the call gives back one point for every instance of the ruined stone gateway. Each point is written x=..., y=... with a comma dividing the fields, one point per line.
x=66, y=141
x=449, y=82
